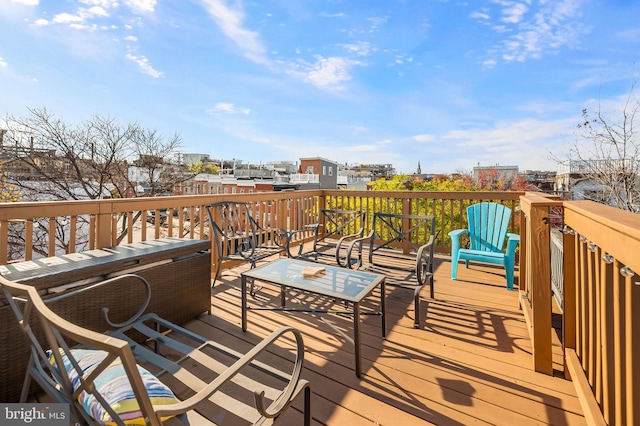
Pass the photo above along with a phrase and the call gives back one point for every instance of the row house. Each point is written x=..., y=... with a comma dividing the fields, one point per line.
x=209, y=184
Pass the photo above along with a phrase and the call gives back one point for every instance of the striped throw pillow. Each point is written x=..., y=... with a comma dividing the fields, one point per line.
x=114, y=386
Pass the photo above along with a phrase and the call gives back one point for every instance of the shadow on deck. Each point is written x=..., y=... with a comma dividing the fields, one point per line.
x=469, y=363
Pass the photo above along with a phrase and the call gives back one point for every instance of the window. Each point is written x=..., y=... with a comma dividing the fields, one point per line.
x=324, y=170
x=330, y=170
x=309, y=169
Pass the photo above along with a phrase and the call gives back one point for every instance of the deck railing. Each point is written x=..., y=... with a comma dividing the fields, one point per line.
x=40, y=229
x=600, y=246
x=602, y=341
x=601, y=301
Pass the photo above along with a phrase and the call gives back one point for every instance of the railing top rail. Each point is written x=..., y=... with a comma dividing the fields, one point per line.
x=615, y=231
x=538, y=199
x=36, y=209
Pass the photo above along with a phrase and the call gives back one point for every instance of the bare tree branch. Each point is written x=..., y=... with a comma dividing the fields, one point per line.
x=609, y=147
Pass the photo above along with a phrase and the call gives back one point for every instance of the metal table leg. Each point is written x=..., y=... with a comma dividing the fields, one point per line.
x=243, y=289
x=383, y=309
x=356, y=337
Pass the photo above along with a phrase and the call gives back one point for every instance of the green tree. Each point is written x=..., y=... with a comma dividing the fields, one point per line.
x=200, y=167
x=438, y=183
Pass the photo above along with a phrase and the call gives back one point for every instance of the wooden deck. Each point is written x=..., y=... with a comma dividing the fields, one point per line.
x=469, y=363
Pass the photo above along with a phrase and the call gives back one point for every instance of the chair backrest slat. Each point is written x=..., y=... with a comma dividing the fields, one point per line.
x=488, y=226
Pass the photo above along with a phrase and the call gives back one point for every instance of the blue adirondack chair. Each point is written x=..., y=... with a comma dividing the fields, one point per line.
x=488, y=225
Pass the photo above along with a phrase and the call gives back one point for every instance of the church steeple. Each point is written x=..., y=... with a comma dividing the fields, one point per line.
x=419, y=170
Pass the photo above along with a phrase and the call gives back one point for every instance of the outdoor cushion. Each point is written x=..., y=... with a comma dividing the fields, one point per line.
x=114, y=386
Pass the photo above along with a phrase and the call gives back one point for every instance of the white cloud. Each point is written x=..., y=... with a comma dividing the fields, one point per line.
x=227, y=108
x=131, y=38
x=511, y=136
x=514, y=14
x=424, y=138
x=330, y=73
x=376, y=22
x=144, y=65
x=533, y=33
x=93, y=12
x=630, y=35
x=27, y=2
x=231, y=22
x=66, y=18
x=490, y=63
x=3, y=63
x=333, y=15
x=479, y=15
x=107, y=4
x=78, y=20
x=361, y=48
x=141, y=5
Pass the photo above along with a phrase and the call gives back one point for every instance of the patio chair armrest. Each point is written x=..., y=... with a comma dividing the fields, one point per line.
x=455, y=238
x=424, y=261
x=356, y=245
x=428, y=248
x=105, y=310
x=282, y=237
x=276, y=407
x=311, y=227
x=143, y=307
x=344, y=244
x=512, y=242
x=457, y=232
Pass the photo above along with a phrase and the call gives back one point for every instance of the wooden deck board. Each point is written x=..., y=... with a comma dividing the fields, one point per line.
x=469, y=363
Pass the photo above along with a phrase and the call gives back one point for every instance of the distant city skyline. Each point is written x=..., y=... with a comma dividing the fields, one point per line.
x=448, y=84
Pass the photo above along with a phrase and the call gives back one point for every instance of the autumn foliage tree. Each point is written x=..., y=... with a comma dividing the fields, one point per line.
x=491, y=179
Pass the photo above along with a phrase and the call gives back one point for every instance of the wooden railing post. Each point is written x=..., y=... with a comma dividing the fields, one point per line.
x=4, y=237
x=535, y=294
x=406, y=224
x=524, y=243
x=540, y=292
x=104, y=224
x=281, y=210
x=569, y=242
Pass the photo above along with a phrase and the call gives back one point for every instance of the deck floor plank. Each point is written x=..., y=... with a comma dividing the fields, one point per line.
x=469, y=363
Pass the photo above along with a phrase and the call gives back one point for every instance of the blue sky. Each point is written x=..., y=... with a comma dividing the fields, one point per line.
x=449, y=84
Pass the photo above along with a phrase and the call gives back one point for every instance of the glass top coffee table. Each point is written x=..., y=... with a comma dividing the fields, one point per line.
x=341, y=284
